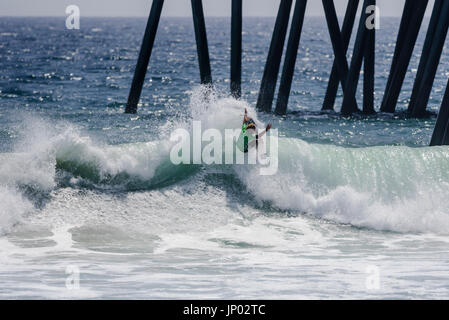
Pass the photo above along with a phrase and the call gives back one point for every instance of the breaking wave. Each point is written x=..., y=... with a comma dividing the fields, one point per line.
x=392, y=188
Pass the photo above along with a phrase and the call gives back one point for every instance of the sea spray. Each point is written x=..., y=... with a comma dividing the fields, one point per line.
x=13, y=206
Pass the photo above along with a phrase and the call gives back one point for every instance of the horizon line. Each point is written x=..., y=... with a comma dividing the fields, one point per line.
x=166, y=16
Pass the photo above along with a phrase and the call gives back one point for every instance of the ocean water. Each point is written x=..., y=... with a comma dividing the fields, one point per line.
x=91, y=206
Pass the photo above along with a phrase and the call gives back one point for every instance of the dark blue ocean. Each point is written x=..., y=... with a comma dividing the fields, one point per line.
x=88, y=190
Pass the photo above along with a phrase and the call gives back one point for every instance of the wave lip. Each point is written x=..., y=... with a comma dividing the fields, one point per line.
x=133, y=166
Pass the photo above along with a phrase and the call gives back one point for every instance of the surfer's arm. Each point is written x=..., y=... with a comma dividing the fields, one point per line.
x=245, y=117
x=260, y=135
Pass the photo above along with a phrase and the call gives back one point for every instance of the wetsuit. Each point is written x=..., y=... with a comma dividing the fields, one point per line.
x=250, y=124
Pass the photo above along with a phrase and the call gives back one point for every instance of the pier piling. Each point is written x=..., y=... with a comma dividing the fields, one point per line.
x=349, y=101
x=290, y=56
x=271, y=71
x=346, y=32
x=408, y=44
x=369, y=69
x=236, y=49
x=434, y=20
x=425, y=88
x=440, y=134
x=144, y=56
x=201, y=41
x=339, y=52
x=403, y=28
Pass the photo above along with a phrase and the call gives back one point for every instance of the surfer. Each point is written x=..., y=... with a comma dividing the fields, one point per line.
x=249, y=130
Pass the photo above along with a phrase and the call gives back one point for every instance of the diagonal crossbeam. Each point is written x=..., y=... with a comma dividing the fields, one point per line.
x=338, y=46
x=346, y=32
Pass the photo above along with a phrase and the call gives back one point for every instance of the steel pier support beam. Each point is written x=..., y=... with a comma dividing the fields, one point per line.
x=201, y=41
x=440, y=134
x=290, y=56
x=346, y=31
x=419, y=108
x=269, y=79
x=399, y=71
x=435, y=18
x=349, y=101
x=236, y=49
x=405, y=21
x=144, y=56
x=369, y=68
x=337, y=45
